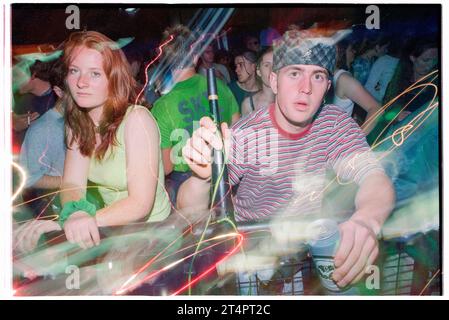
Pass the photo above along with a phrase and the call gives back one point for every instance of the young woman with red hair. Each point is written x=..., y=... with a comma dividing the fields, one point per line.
x=111, y=142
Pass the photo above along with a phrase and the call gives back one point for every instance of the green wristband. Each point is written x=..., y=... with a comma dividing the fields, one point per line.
x=74, y=206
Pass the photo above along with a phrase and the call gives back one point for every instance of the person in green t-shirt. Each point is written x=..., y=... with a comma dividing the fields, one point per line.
x=179, y=111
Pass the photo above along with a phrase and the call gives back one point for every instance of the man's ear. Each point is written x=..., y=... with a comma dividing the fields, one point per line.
x=412, y=58
x=274, y=82
x=329, y=83
x=258, y=72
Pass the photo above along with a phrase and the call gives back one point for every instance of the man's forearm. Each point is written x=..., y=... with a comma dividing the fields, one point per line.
x=48, y=182
x=374, y=201
x=371, y=121
x=193, y=194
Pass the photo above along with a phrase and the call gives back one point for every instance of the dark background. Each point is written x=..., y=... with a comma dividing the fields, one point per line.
x=45, y=23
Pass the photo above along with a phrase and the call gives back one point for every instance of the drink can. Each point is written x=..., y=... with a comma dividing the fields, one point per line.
x=323, y=241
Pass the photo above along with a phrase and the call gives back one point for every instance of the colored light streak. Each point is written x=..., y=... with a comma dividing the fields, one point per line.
x=401, y=133
x=209, y=270
x=126, y=287
x=170, y=38
x=429, y=282
x=23, y=177
x=388, y=104
x=411, y=88
x=145, y=266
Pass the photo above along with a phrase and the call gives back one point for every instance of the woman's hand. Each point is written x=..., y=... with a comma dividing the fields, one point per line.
x=27, y=235
x=82, y=229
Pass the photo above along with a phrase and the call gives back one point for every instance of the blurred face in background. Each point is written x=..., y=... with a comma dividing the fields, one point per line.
x=244, y=69
x=265, y=67
x=252, y=43
x=345, y=55
x=426, y=62
x=208, y=55
x=381, y=49
x=350, y=55
x=224, y=60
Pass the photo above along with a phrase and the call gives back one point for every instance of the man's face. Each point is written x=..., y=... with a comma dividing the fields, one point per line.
x=224, y=60
x=253, y=44
x=244, y=69
x=299, y=90
x=208, y=55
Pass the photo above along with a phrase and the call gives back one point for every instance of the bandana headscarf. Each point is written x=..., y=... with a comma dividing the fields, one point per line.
x=302, y=47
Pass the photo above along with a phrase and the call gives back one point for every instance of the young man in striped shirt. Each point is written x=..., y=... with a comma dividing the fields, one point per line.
x=278, y=156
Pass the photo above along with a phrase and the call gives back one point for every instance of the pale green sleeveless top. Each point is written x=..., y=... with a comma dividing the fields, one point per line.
x=110, y=175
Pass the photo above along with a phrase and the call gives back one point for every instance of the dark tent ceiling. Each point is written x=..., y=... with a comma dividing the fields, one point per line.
x=45, y=23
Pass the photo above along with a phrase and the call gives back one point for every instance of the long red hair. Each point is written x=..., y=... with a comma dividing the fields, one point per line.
x=122, y=91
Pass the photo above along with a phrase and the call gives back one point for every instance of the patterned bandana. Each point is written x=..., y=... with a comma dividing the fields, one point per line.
x=298, y=47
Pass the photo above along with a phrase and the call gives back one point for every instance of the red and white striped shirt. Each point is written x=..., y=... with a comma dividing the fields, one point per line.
x=281, y=173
